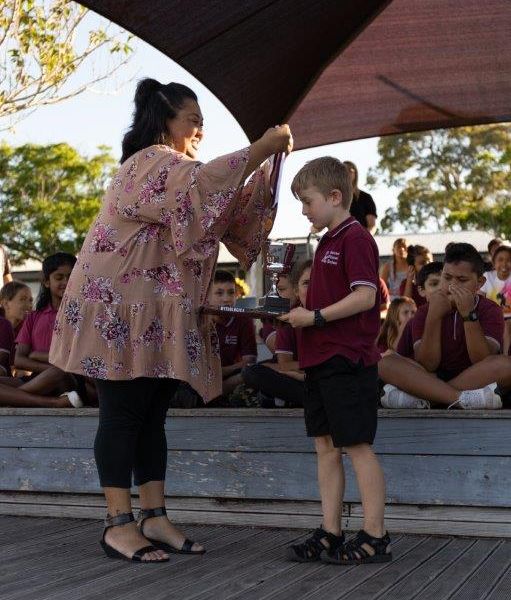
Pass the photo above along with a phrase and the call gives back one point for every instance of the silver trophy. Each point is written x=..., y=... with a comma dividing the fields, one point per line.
x=278, y=261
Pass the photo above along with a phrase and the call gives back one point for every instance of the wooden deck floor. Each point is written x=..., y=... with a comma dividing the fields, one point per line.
x=60, y=559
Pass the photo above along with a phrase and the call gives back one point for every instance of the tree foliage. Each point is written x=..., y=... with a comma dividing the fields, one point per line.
x=49, y=196
x=453, y=178
x=39, y=53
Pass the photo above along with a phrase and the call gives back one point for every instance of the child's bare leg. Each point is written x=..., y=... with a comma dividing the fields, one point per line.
x=507, y=337
x=18, y=398
x=11, y=381
x=231, y=383
x=412, y=378
x=490, y=370
x=371, y=483
x=48, y=381
x=331, y=482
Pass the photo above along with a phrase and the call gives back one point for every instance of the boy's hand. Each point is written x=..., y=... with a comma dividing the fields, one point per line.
x=464, y=299
x=439, y=304
x=299, y=317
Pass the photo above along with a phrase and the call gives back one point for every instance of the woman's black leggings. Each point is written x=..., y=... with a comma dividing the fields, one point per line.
x=131, y=433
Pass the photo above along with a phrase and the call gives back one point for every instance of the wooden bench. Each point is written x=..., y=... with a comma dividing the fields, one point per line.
x=447, y=471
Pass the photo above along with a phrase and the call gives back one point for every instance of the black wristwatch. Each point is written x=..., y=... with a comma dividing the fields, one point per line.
x=319, y=319
x=471, y=317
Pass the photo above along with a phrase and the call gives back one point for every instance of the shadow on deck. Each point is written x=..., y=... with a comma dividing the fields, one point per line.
x=60, y=559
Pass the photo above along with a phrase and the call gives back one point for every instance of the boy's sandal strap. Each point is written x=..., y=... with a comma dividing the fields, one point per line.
x=354, y=549
x=122, y=519
x=313, y=547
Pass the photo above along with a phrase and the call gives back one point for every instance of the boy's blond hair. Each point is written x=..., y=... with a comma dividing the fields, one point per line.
x=326, y=173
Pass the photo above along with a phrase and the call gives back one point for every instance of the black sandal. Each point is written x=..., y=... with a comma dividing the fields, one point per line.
x=312, y=548
x=111, y=552
x=149, y=513
x=354, y=553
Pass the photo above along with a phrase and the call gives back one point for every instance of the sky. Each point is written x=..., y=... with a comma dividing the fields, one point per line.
x=100, y=116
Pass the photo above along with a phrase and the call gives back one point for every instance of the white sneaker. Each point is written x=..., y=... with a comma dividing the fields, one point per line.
x=74, y=399
x=485, y=397
x=396, y=398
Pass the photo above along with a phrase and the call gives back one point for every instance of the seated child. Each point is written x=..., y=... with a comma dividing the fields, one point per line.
x=336, y=346
x=497, y=287
x=457, y=337
x=417, y=257
x=15, y=305
x=401, y=310
x=284, y=379
x=428, y=280
x=236, y=334
x=34, y=339
x=268, y=331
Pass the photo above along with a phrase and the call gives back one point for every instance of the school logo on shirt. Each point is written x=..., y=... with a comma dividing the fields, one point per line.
x=331, y=257
x=231, y=340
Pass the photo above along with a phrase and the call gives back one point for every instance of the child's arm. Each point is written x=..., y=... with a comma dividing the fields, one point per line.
x=408, y=287
x=362, y=298
x=478, y=346
x=428, y=351
x=22, y=360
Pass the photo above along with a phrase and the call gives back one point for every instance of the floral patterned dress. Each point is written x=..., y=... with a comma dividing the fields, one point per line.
x=131, y=305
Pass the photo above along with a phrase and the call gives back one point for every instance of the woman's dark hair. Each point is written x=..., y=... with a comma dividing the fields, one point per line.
x=8, y=292
x=50, y=265
x=417, y=250
x=154, y=104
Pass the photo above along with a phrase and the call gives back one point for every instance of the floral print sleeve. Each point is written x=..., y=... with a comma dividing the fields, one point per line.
x=252, y=218
x=195, y=200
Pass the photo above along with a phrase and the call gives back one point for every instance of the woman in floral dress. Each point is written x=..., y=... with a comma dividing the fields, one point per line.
x=129, y=315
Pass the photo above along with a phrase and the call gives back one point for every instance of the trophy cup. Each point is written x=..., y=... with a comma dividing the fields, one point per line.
x=279, y=261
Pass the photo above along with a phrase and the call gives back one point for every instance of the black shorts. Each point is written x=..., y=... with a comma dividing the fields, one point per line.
x=342, y=401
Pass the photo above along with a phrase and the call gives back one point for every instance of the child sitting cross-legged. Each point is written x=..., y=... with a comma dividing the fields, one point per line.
x=283, y=379
x=236, y=335
x=457, y=338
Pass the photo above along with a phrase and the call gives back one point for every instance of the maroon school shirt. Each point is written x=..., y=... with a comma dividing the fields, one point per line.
x=7, y=340
x=286, y=341
x=37, y=329
x=454, y=357
x=416, y=297
x=345, y=257
x=405, y=344
x=237, y=339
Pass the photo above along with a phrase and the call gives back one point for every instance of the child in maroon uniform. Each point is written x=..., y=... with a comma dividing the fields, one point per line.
x=336, y=348
x=236, y=334
x=418, y=256
x=457, y=339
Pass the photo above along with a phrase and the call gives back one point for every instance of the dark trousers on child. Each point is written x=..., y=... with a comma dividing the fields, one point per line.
x=130, y=440
x=274, y=384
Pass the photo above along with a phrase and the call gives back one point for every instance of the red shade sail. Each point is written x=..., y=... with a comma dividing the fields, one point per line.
x=337, y=70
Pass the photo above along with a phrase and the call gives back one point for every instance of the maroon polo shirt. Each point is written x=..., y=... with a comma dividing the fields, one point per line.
x=7, y=340
x=286, y=341
x=237, y=339
x=416, y=297
x=346, y=257
x=454, y=354
x=37, y=329
x=405, y=343
x=267, y=329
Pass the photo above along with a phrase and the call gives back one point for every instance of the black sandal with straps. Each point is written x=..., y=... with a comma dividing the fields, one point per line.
x=111, y=552
x=312, y=548
x=354, y=553
x=149, y=513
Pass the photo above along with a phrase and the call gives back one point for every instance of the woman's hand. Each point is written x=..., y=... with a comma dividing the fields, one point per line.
x=278, y=139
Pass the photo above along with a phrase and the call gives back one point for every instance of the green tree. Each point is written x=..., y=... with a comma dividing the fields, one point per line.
x=49, y=196
x=40, y=51
x=452, y=178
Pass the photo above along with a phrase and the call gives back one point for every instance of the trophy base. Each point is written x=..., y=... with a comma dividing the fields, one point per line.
x=275, y=305
x=233, y=311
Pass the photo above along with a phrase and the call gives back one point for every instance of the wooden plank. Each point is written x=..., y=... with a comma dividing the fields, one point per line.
x=295, y=413
x=427, y=571
x=480, y=582
x=458, y=571
x=501, y=590
x=270, y=434
x=482, y=481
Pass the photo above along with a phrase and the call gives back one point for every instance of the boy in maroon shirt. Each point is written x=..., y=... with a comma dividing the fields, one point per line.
x=338, y=327
x=236, y=334
x=457, y=341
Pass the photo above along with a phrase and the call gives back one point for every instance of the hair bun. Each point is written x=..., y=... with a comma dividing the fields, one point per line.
x=145, y=89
